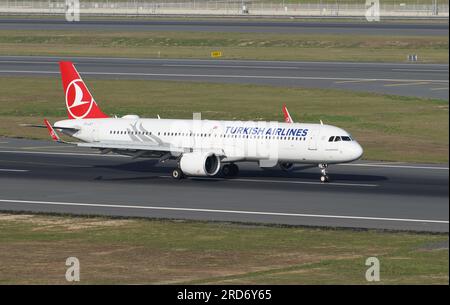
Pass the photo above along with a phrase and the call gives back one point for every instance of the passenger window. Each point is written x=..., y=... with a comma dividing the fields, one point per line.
x=337, y=139
x=331, y=139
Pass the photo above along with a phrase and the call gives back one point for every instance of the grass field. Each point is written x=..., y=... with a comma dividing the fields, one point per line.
x=33, y=249
x=389, y=127
x=262, y=46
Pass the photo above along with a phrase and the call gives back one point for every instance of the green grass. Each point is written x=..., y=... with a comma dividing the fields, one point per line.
x=389, y=127
x=33, y=249
x=261, y=46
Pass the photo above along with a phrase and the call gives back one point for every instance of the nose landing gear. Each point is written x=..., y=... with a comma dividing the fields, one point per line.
x=323, y=169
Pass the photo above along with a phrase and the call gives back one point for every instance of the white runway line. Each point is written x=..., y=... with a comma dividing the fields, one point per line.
x=237, y=66
x=16, y=58
x=280, y=181
x=13, y=170
x=422, y=70
x=176, y=75
x=382, y=165
x=59, y=153
x=395, y=166
x=162, y=208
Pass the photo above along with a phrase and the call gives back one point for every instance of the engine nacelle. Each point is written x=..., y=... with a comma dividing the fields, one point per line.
x=286, y=166
x=200, y=164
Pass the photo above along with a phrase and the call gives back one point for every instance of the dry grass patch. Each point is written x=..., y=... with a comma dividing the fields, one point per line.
x=33, y=249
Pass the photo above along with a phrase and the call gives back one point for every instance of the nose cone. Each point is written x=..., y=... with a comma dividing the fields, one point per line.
x=357, y=151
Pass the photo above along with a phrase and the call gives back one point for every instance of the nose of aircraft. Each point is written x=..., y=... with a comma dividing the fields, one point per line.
x=357, y=151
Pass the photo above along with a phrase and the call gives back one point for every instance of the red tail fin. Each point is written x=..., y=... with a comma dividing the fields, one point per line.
x=80, y=103
x=287, y=116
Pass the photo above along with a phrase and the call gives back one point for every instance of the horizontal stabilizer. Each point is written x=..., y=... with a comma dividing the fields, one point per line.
x=45, y=126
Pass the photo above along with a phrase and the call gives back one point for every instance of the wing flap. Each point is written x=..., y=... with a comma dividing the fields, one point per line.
x=139, y=147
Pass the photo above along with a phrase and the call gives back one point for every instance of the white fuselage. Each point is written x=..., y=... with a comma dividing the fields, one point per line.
x=268, y=142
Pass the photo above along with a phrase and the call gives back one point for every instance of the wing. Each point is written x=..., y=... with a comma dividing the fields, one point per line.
x=135, y=146
x=163, y=151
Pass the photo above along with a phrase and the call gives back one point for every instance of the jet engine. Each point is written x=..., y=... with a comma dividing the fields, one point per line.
x=200, y=164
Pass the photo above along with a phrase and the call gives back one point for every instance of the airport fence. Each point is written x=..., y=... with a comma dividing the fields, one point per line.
x=311, y=8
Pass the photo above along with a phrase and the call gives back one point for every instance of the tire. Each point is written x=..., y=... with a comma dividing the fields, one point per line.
x=177, y=174
x=234, y=170
x=226, y=170
x=230, y=170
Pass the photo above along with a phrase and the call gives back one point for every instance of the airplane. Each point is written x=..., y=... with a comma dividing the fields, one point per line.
x=200, y=147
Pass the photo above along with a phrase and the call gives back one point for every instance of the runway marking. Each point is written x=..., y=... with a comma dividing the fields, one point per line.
x=232, y=76
x=235, y=66
x=13, y=170
x=43, y=147
x=122, y=156
x=59, y=153
x=434, y=89
x=170, y=65
x=19, y=58
x=421, y=70
x=44, y=163
x=406, y=84
x=280, y=181
x=28, y=62
x=352, y=81
x=162, y=208
x=396, y=166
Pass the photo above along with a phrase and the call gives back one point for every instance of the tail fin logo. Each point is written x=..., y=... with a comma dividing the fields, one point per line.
x=79, y=101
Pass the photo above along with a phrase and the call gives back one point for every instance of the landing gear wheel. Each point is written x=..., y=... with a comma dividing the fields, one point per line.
x=324, y=178
x=323, y=168
x=177, y=174
x=234, y=169
x=230, y=170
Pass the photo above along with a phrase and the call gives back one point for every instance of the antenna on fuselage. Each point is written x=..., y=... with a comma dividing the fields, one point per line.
x=321, y=123
x=159, y=118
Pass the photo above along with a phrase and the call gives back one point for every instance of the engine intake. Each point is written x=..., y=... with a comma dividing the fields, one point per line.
x=200, y=164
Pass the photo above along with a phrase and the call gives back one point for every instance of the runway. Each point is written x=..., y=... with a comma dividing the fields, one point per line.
x=47, y=177
x=418, y=80
x=238, y=26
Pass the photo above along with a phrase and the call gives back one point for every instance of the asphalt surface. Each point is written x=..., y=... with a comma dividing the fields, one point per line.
x=418, y=80
x=261, y=26
x=47, y=177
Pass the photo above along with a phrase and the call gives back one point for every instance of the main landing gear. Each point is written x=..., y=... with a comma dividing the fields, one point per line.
x=323, y=168
x=177, y=173
x=230, y=170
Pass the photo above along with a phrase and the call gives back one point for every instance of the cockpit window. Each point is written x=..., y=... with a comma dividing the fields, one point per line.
x=345, y=138
x=336, y=139
x=331, y=139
